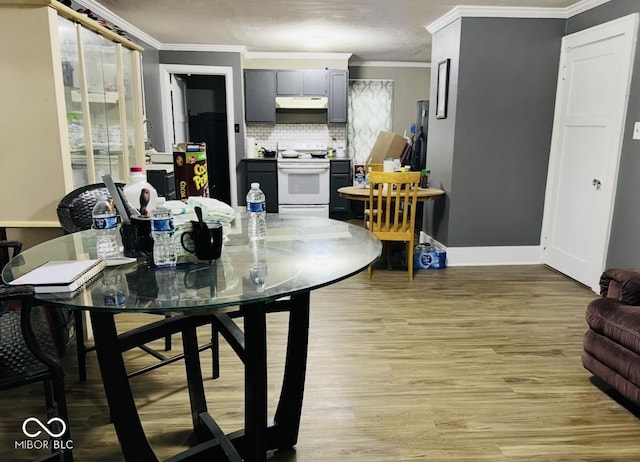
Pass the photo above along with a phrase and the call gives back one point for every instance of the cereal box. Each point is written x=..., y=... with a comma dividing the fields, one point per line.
x=190, y=170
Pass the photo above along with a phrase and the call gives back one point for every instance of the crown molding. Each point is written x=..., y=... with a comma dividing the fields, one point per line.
x=453, y=15
x=201, y=47
x=388, y=64
x=129, y=28
x=295, y=55
x=463, y=11
x=583, y=6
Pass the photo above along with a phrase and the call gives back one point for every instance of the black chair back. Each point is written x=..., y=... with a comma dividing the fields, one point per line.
x=74, y=210
x=28, y=354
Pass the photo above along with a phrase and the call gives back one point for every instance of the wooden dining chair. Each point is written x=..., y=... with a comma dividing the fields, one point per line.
x=392, y=210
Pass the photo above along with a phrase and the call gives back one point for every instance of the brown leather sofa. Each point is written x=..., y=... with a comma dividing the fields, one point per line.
x=611, y=348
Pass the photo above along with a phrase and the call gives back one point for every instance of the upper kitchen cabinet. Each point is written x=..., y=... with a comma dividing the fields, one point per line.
x=260, y=96
x=338, y=91
x=72, y=100
x=263, y=86
x=301, y=83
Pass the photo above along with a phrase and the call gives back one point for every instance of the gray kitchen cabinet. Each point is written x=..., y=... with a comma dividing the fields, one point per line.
x=260, y=95
x=301, y=83
x=338, y=89
x=265, y=172
x=262, y=86
x=340, y=175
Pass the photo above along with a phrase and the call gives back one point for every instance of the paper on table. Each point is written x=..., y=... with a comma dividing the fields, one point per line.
x=61, y=276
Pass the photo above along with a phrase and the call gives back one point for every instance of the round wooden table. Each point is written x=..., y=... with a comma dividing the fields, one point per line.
x=362, y=194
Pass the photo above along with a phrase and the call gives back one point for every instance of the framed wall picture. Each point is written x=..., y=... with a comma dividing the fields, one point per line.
x=442, y=94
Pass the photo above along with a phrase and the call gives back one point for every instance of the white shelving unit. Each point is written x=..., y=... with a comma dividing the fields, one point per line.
x=72, y=108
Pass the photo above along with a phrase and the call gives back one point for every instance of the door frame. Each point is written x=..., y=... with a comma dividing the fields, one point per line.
x=624, y=25
x=165, y=74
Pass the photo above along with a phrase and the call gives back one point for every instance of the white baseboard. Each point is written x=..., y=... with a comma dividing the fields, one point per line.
x=488, y=256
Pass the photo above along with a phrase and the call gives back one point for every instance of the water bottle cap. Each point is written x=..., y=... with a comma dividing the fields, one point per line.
x=135, y=169
x=255, y=185
x=160, y=200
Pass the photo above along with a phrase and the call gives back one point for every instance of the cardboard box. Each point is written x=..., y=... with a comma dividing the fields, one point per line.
x=190, y=170
x=387, y=145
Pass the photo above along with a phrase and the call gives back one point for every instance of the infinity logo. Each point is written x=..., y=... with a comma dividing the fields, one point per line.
x=49, y=422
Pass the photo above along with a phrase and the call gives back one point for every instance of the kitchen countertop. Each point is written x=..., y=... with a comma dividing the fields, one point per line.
x=275, y=158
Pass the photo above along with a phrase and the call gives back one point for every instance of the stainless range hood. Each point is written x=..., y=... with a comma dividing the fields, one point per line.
x=302, y=102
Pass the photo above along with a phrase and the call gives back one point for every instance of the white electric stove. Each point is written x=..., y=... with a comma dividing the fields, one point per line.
x=303, y=177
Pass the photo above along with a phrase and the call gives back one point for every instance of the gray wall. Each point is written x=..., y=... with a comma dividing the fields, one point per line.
x=491, y=153
x=151, y=61
x=410, y=84
x=624, y=250
x=153, y=102
x=233, y=60
x=440, y=138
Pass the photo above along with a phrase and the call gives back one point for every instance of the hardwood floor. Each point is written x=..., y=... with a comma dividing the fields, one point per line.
x=462, y=364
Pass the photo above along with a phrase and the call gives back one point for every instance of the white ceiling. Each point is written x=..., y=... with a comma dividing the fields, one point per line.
x=371, y=30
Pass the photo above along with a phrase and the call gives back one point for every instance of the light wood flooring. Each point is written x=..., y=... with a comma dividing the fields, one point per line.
x=462, y=364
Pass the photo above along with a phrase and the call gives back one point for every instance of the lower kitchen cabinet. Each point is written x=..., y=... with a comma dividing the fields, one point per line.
x=265, y=172
x=341, y=175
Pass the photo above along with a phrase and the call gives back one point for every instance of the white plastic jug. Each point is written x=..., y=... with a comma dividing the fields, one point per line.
x=139, y=193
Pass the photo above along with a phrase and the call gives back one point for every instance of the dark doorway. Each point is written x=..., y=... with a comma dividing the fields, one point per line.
x=207, y=110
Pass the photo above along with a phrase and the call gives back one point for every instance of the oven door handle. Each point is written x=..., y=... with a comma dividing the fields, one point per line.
x=302, y=170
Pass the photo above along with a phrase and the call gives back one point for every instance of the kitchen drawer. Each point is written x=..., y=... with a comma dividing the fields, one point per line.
x=268, y=165
x=341, y=166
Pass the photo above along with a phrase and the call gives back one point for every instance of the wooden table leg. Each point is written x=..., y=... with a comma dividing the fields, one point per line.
x=255, y=382
x=287, y=417
x=124, y=415
x=193, y=370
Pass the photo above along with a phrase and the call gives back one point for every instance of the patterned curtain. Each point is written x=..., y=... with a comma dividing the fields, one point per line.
x=370, y=110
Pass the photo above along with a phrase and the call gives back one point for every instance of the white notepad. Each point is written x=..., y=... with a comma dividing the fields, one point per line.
x=61, y=276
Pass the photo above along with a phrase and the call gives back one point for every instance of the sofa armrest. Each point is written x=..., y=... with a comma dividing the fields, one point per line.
x=622, y=284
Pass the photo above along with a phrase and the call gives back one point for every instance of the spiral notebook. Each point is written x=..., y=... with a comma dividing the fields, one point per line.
x=61, y=275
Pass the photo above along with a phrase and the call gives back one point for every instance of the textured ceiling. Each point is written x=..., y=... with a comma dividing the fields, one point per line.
x=372, y=30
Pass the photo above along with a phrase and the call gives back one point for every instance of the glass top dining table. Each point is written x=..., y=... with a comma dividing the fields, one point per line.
x=247, y=282
x=299, y=254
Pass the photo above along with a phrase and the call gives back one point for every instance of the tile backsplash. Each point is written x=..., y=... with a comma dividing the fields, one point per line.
x=267, y=135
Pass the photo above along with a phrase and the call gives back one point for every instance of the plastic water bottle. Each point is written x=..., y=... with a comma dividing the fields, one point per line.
x=168, y=293
x=105, y=226
x=256, y=211
x=114, y=290
x=162, y=230
x=258, y=271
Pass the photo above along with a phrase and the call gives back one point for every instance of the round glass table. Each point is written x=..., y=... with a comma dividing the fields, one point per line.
x=248, y=281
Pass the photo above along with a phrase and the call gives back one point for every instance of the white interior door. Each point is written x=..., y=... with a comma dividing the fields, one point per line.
x=166, y=72
x=591, y=102
x=179, y=110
